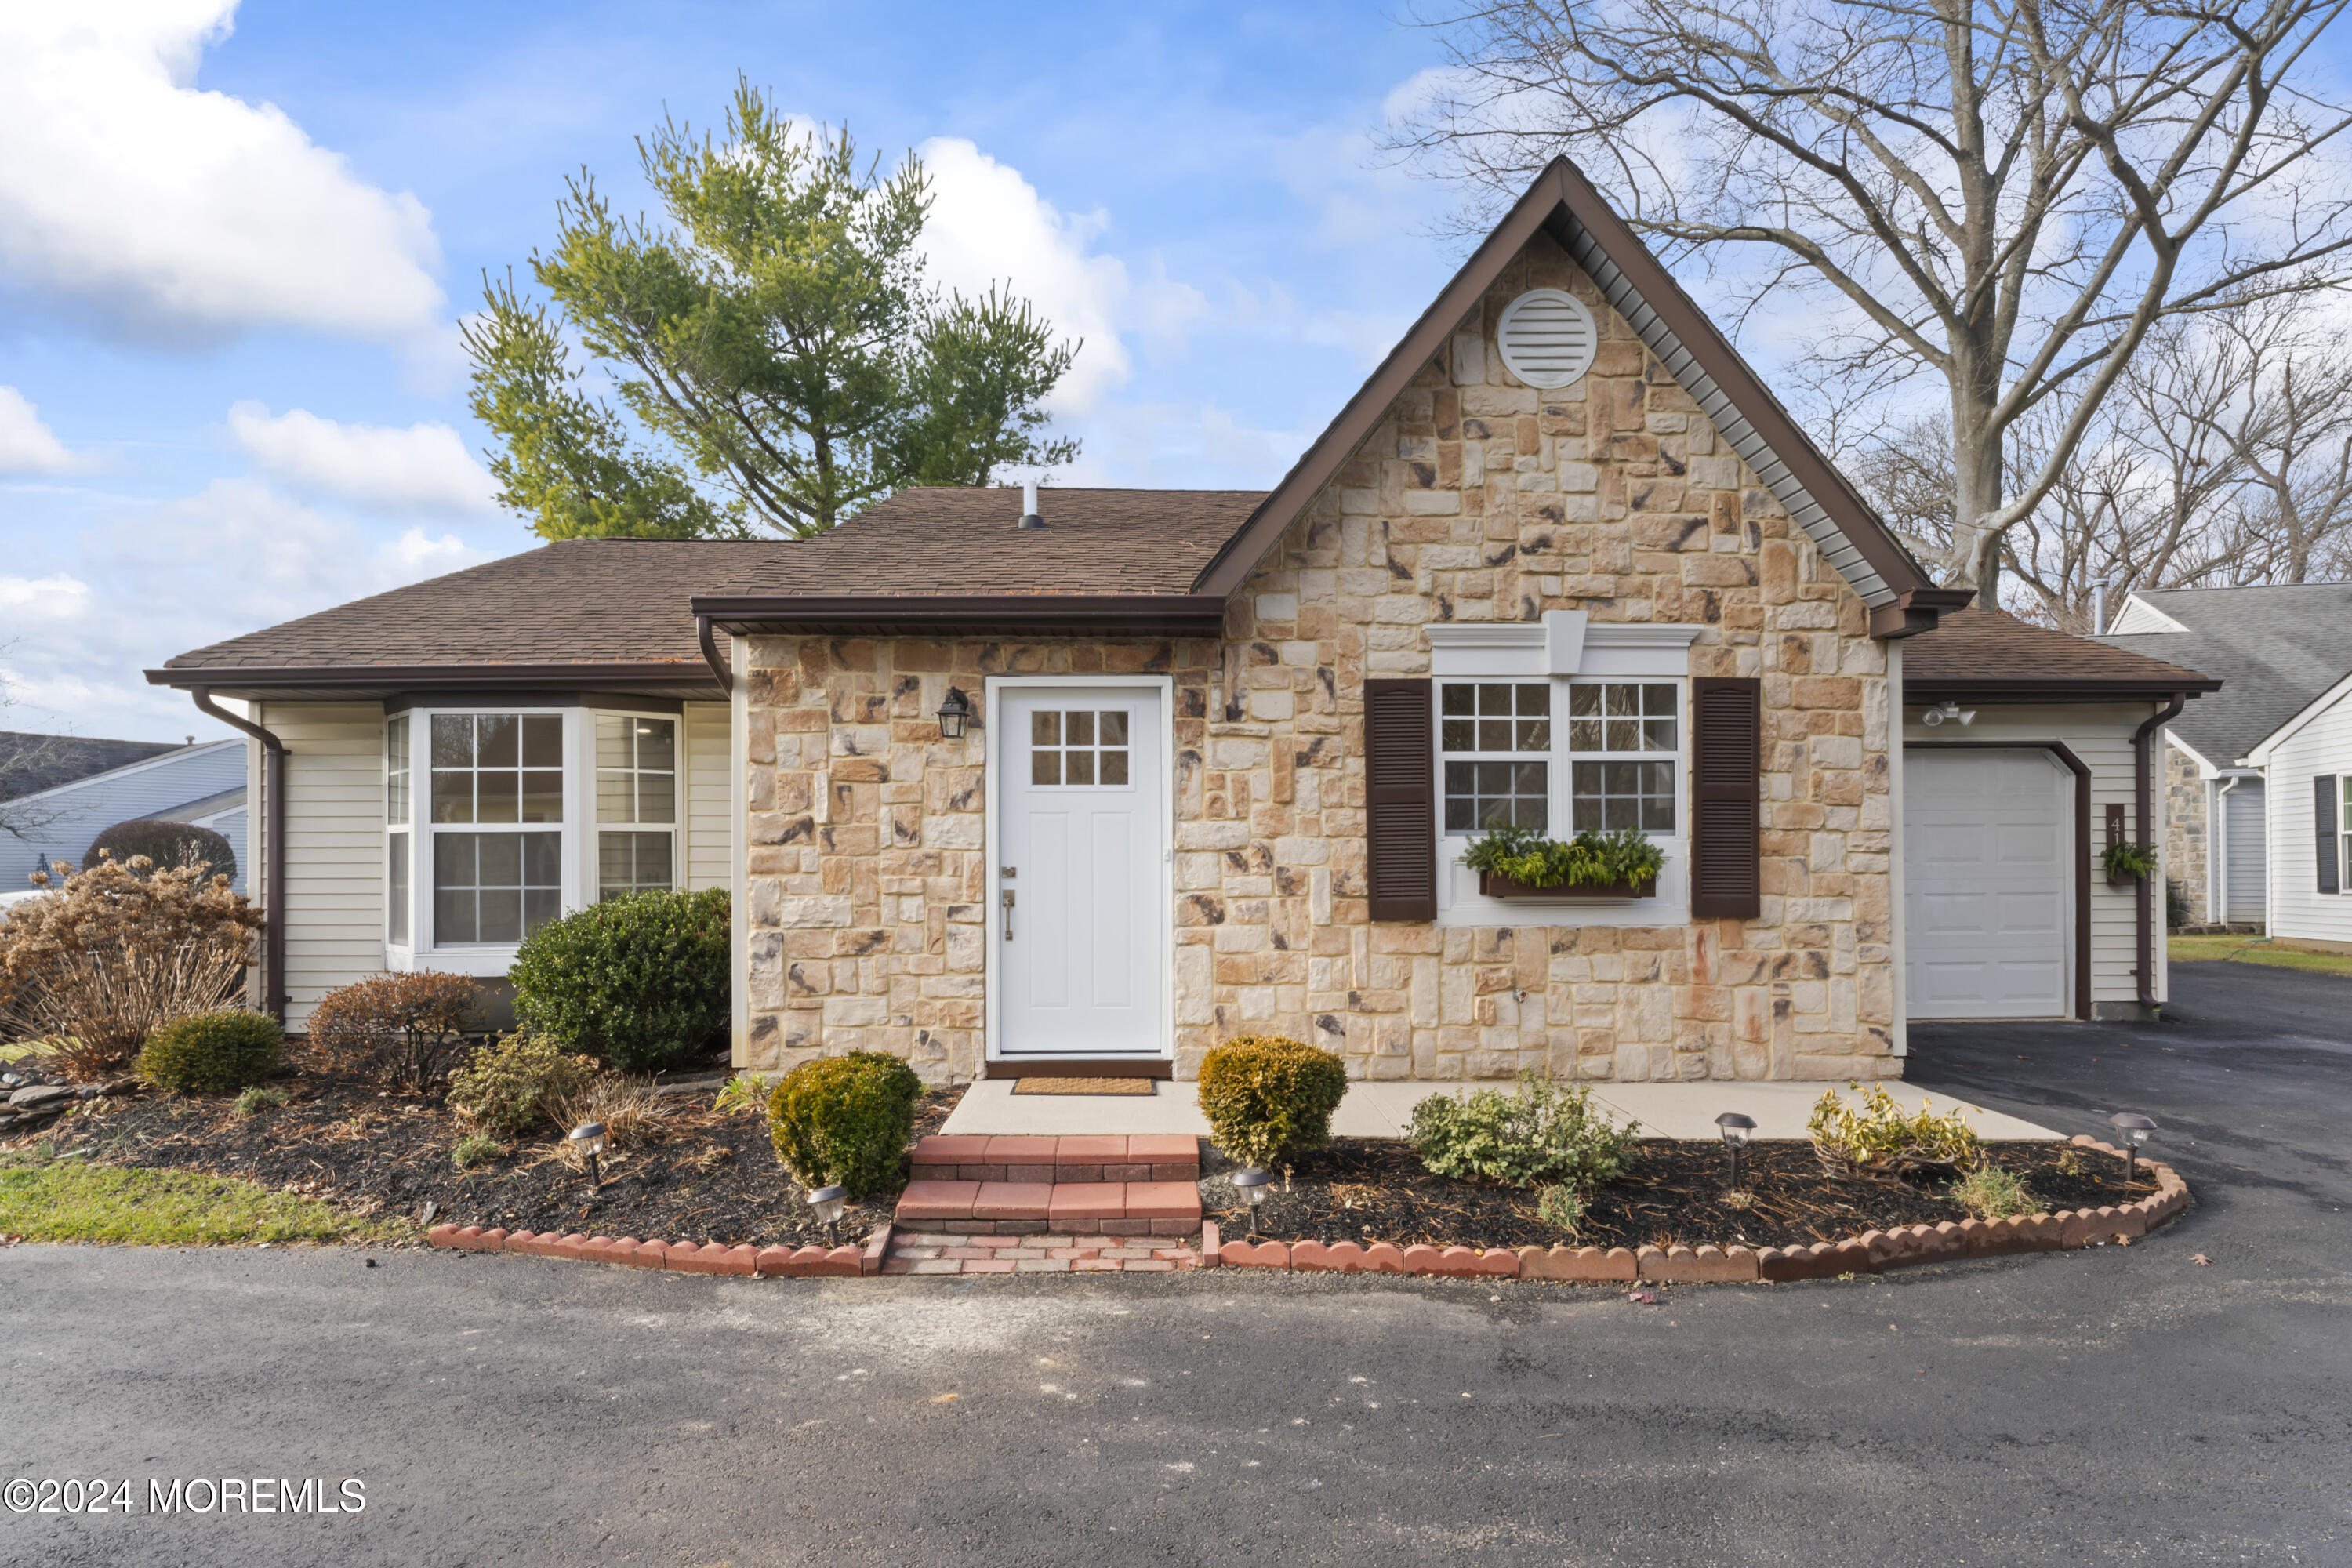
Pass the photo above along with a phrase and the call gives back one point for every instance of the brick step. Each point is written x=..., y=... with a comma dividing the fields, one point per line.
x=961, y=1208
x=1095, y=1157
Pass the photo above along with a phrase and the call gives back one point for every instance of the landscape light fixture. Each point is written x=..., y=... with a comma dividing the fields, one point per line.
x=1736, y=1130
x=955, y=713
x=827, y=1203
x=2134, y=1128
x=589, y=1139
x=1945, y=710
x=1252, y=1180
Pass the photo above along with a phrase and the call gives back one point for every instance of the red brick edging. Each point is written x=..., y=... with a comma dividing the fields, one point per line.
x=1872, y=1253
x=683, y=1257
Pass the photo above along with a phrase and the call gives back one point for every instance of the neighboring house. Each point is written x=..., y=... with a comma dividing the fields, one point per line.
x=2256, y=779
x=1095, y=788
x=203, y=784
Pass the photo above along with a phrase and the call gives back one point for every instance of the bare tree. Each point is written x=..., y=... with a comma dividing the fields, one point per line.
x=24, y=761
x=2002, y=196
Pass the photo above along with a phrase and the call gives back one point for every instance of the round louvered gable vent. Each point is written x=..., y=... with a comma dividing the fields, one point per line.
x=1547, y=337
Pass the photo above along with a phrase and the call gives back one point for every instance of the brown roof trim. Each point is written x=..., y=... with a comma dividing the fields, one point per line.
x=2053, y=689
x=1562, y=192
x=430, y=676
x=1140, y=615
x=1914, y=612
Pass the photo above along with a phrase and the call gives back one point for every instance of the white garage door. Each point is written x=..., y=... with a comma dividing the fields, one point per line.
x=1985, y=873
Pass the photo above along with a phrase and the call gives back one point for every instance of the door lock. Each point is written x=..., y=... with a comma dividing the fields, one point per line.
x=1008, y=914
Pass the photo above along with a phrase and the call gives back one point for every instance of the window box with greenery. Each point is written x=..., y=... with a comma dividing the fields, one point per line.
x=2126, y=862
x=1515, y=862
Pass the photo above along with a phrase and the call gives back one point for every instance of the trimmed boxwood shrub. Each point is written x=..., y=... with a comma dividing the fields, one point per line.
x=211, y=1053
x=1269, y=1098
x=169, y=845
x=639, y=980
x=845, y=1121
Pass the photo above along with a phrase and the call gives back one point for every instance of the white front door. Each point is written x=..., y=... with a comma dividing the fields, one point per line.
x=1082, y=916
x=1987, y=873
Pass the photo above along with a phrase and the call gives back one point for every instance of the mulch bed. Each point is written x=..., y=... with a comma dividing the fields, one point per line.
x=703, y=1177
x=1367, y=1189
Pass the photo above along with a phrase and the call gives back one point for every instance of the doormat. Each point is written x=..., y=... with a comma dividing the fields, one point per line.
x=1084, y=1086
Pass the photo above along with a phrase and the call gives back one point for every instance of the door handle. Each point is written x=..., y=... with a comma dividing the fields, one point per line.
x=1008, y=914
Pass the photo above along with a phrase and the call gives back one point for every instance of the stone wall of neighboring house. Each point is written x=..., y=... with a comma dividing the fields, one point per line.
x=1478, y=499
x=2185, y=827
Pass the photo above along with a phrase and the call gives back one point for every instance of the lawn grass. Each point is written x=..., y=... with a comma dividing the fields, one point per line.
x=44, y=1199
x=2253, y=950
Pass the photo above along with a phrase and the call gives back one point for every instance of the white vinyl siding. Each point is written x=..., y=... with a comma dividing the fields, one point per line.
x=706, y=857
x=334, y=846
x=2100, y=736
x=2298, y=910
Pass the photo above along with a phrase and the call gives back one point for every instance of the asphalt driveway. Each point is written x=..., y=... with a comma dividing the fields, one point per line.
x=2126, y=1405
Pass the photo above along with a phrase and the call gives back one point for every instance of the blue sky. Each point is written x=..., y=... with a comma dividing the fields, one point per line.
x=240, y=238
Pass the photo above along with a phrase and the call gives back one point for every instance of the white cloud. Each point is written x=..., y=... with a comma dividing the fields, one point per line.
x=55, y=597
x=422, y=466
x=181, y=212
x=28, y=446
x=989, y=226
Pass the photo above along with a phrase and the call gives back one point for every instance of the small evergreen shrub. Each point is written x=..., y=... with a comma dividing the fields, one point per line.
x=473, y=1149
x=1990, y=1192
x=517, y=1083
x=640, y=982
x=404, y=1031
x=256, y=1100
x=1879, y=1139
x=1541, y=1135
x=843, y=1121
x=1269, y=1098
x=211, y=1053
x=167, y=845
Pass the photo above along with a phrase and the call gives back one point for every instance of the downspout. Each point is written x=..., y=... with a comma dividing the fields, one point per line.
x=710, y=654
x=2144, y=765
x=273, y=853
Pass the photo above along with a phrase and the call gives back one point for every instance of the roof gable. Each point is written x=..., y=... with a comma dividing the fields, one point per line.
x=1562, y=203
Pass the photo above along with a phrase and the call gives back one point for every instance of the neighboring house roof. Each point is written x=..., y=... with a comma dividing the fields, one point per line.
x=176, y=784
x=2279, y=647
x=30, y=763
x=1977, y=653
x=588, y=611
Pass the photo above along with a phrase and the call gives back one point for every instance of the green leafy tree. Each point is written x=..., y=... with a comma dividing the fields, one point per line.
x=778, y=359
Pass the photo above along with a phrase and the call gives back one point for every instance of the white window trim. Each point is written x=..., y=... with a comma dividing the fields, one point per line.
x=580, y=877
x=1565, y=646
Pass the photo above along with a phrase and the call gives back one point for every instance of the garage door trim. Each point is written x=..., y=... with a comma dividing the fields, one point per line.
x=2073, y=764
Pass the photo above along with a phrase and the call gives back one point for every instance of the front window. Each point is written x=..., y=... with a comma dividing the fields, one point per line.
x=1495, y=737
x=636, y=804
x=1623, y=739
x=496, y=768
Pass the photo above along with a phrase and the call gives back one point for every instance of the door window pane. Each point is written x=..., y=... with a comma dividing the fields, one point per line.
x=494, y=887
x=1079, y=746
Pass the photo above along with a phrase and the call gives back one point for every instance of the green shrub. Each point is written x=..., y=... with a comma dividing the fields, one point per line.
x=640, y=982
x=211, y=1053
x=473, y=1149
x=256, y=1100
x=1561, y=1207
x=1269, y=1098
x=1543, y=1135
x=1990, y=1192
x=168, y=847
x=1880, y=1139
x=843, y=1121
x=518, y=1081
x=404, y=1031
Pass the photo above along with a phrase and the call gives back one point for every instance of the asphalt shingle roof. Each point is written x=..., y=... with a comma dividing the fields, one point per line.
x=2275, y=647
x=1993, y=645
x=30, y=763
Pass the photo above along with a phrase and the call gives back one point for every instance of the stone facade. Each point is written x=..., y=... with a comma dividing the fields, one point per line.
x=1478, y=499
x=2185, y=825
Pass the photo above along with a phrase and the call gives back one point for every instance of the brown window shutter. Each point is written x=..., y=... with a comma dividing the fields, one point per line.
x=1727, y=789
x=1400, y=790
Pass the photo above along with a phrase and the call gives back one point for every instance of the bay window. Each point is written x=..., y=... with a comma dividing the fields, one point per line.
x=396, y=820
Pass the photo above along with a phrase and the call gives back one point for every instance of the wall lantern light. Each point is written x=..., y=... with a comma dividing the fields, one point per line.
x=1736, y=1130
x=955, y=714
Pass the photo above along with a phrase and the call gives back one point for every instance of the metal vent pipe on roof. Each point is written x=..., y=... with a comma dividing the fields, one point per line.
x=1029, y=518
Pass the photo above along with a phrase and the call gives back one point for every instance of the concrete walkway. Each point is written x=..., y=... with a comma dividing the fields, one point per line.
x=1383, y=1109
